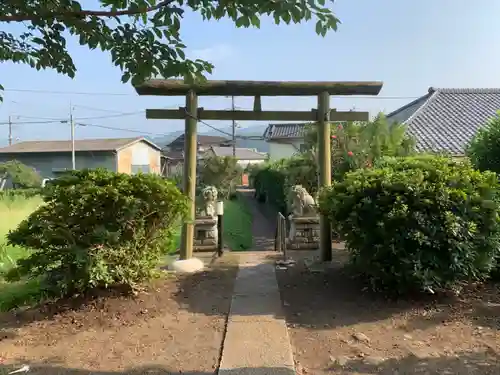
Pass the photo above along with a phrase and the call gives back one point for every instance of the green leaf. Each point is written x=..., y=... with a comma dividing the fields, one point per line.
x=241, y=21
x=319, y=28
x=126, y=77
x=181, y=53
x=255, y=21
x=286, y=17
x=158, y=33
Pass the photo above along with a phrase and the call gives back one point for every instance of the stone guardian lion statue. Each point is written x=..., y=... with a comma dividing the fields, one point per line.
x=209, y=196
x=302, y=205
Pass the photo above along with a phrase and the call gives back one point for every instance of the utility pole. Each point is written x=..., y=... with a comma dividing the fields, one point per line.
x=72, y=124
x=10, y=131
x=233, y=108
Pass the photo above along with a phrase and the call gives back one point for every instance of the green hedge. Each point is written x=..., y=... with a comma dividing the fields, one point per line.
x=97, y=229
x=272, y=181
x=417, y=223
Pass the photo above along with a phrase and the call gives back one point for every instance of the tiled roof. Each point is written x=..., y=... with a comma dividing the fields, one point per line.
x=241, y=153
x=174, y=155
x=104, y=144
x=445, y=120
x=285, y=131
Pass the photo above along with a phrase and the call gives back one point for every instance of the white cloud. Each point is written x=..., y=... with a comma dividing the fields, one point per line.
x=216, y=53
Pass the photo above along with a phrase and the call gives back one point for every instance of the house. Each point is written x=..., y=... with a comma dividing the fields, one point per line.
x=173, y=153
x=244, y=156
x=285, y=140
x=446, y=120
x=50, y=158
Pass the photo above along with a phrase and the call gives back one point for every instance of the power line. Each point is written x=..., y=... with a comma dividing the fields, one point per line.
x=96, y=109
x=34, y=122
x=123, y=114
x=120, y=129
x=116, y=115
x=248, y=137
x=62, y=119
x=207, y=124
x=40, y=118
x=34, y=91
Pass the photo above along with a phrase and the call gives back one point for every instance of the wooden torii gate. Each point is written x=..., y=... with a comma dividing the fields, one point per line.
x=323, y=115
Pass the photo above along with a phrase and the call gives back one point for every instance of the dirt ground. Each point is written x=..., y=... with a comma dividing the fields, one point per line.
x=175, y=326
x=336, y=328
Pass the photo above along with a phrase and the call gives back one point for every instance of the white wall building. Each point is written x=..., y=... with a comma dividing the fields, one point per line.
x=285, y=140
x=245, y=156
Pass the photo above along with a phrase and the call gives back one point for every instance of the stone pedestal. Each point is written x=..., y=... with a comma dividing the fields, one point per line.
x=205, y=234
x=306, y=233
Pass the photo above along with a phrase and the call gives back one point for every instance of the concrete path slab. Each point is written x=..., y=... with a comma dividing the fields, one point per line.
x=263, y=307
x=257, y=340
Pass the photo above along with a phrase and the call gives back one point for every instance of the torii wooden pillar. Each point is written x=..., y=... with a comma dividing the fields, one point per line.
x=191, y=114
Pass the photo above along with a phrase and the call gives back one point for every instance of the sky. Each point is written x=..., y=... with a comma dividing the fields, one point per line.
x=409, y=45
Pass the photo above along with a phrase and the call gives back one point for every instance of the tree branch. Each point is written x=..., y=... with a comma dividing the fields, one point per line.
x=83, y=13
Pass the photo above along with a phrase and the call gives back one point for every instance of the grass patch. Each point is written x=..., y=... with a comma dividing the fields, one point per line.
x=237, y=225
x=176, y=241
x=24, y=292
x=20, y=293
x=16, y=209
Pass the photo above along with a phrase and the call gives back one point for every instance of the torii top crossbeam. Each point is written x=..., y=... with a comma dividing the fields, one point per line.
x=170, y=87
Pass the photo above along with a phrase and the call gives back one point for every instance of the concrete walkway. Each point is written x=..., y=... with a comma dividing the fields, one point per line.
x=257, y=340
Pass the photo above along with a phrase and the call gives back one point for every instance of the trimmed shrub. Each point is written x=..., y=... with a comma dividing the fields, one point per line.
x=222, y=172
x=484, y=153
x=21, y=175
x=98, y=229
x=484, y=149
x=272, y=182
x=423, y=223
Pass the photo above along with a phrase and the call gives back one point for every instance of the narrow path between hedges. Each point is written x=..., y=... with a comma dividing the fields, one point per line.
x=257, y=340
x=263, y=221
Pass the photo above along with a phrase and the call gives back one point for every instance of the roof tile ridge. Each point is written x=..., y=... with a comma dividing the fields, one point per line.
x=433, y=95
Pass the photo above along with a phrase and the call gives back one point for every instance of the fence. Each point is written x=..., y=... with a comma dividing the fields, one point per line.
x=280, y=236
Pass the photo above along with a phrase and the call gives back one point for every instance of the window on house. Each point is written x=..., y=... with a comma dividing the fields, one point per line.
x=141, y=169
x=302, y=147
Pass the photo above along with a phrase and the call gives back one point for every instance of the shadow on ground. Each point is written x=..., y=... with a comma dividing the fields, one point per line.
x=208, y=292
x=333, y=299
x=480, y=305
x=147, y=370
x=473, y=363
x=330, y=299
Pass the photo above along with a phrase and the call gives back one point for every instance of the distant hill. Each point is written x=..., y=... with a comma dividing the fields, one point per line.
x=260, y=145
